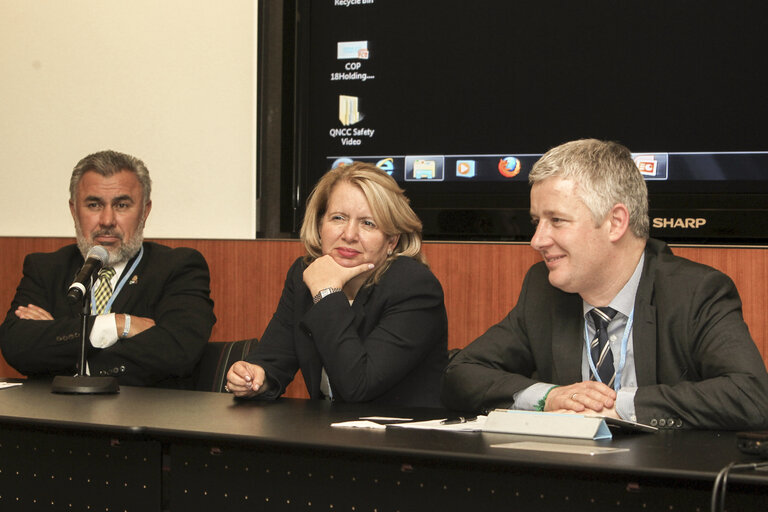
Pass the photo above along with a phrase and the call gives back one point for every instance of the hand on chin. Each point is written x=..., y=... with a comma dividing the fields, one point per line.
x=330, y=271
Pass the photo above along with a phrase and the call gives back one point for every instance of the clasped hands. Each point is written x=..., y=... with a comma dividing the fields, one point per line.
x=138, y=323
x=588, y=397
x=246, y=379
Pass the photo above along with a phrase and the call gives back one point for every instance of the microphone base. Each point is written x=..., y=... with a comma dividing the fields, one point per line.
x=85, y=385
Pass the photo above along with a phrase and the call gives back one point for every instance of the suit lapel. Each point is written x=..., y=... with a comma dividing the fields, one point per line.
x=359, y=306
x=131, y=287
x=644, y=331
x=644, y=344
x=567, y=340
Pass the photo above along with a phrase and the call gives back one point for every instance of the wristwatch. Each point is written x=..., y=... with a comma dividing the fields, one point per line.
x=324, y=293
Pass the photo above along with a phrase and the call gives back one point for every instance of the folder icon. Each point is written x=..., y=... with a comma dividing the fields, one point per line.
x=424, y=169
x=348, y=113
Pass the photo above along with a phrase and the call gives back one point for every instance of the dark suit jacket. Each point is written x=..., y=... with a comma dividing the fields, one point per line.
x=171, y=286
x=390, y=346
x=695, y=361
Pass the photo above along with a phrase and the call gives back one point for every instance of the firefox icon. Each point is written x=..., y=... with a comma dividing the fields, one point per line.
x=509, y=167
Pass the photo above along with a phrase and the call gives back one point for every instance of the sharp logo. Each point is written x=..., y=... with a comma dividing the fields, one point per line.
x=678, y=222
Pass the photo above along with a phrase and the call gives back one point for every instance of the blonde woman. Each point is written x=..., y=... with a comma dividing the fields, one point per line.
x=361, y=314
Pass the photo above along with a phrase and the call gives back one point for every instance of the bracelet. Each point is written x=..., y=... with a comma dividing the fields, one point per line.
x=127, y=326
x=543, y=401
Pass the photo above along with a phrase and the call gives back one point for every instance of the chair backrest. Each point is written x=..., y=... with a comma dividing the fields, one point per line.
x=211, y=372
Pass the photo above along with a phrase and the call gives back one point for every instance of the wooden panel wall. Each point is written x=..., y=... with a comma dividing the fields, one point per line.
x=481, y=282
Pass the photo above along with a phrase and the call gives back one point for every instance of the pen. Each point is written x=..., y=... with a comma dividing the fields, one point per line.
x=460, y=419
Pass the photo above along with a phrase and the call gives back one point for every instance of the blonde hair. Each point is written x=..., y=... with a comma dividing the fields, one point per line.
x=391, y=211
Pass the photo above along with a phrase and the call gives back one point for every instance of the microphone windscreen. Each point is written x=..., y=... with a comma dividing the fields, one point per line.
x=100, y=253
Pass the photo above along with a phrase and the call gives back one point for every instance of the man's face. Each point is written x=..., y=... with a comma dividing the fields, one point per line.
x=576, y=251
x=109, y=211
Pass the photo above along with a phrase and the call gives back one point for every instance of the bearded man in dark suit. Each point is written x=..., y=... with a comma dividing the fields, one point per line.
x=680, y=353
x=152, y=326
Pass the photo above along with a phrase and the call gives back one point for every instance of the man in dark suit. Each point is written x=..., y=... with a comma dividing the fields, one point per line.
x=151, y=312
x=668, y=345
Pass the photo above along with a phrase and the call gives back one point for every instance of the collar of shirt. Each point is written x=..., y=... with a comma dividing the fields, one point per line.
x=119, y=268
x=624, y=301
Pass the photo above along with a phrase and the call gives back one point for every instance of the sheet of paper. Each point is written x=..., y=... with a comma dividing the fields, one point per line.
x=4, y=385
x=474, y=425
x=384, y=418
x=359, y=424
x=559, y=448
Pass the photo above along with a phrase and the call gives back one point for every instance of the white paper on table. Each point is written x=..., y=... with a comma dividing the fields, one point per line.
x=560, y=448
x=359, y=424
x=473, y=425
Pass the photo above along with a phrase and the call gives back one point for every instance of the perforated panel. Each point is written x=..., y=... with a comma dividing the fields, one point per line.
x=56, y=471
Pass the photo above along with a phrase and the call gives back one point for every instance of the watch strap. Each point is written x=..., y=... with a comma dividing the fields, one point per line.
x=324, y=293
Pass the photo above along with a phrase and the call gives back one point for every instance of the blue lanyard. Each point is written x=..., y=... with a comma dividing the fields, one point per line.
x=120, y=285
x=622, y=358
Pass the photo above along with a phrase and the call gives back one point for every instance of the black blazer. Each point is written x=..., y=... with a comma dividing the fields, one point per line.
x=695, y=361
x=171, y=286
x=389, y=346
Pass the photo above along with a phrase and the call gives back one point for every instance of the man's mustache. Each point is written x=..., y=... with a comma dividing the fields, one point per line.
x=106, y=232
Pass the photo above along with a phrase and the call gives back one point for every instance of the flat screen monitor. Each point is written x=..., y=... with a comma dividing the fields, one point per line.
x=457, y=100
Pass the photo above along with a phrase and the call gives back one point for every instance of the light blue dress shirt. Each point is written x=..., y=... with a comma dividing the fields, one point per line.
x=623, y=303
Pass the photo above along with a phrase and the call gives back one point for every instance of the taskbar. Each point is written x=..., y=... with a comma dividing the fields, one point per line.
x=717, y=166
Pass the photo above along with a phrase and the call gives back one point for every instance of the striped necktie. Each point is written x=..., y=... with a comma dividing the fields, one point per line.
x=104, y=291
x=600, y=349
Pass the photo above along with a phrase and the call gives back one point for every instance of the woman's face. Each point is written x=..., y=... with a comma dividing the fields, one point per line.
x=348, y=231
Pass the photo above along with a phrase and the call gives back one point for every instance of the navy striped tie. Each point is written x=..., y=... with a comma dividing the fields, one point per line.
x=600, y=348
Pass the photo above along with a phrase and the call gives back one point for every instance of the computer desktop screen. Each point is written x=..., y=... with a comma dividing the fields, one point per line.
x=457, y=100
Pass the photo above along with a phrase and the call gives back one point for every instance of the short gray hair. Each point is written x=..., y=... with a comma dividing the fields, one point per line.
x=605, y=175
x=108, y=163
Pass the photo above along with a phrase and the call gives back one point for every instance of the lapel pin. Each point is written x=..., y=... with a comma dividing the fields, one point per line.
x=134, y=280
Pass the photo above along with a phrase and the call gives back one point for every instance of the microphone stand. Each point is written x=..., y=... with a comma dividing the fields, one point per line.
x=82, y=384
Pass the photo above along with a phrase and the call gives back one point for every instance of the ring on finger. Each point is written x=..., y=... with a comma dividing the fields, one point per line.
x=573, y=396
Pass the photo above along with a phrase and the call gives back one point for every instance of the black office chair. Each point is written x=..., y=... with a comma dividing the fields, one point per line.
x=211, y=372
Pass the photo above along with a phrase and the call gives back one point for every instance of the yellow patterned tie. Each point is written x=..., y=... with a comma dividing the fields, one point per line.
x=104, y=291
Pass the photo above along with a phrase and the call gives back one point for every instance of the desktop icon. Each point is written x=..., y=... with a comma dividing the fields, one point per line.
x=509, y=167
x=352, y=50
x=424, y=169
x=348, y=110
x=465, y=168
x=387, y=165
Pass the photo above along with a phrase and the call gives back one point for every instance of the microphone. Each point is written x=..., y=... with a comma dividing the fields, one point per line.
x=96, y=258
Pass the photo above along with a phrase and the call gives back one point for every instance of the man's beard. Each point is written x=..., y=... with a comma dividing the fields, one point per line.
x=124, y=252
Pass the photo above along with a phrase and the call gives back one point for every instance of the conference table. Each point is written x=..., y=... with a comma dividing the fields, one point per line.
x=151, y=449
